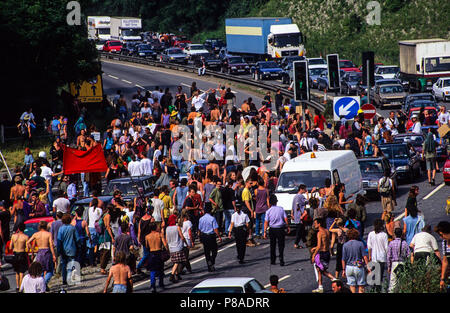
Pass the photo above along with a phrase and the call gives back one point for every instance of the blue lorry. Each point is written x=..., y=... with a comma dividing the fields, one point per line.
x=264, y=38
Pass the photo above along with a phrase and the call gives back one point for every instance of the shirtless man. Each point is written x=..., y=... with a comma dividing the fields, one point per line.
x=17, y=195
x=214, y=167
x=121, y=274
x=215, y=114
x=18, y=244
x=46, y=253
x=154, y=241
x=321, y=253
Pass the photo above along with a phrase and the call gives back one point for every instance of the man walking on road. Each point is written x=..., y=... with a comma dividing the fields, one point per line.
x=321, y=253
x=209, y=229
x=277, y=221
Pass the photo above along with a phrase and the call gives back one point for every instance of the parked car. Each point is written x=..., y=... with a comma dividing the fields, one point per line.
x=214, y=45
x=267, y=70
x=233, y=64
x=99, y=44
x=145, y=51
x=431, y=110
x=285, y=61
x=389, y=95
x=380, y=82
x=350, y=83
x=404, y=159
x=446, y=171
x=419, y=104
x=229, y=285
x=441, y=89
x=372, y=170
x=129, y=186
x=314, y=73
x=322, y=80
x=156, y=45
x=387, y=71
x=348, y=66
x=362, y=87
x=128, y=48
x=85, y=204
x=316, y=63
x=112, y=46
x=212, y=62
x=174, y=55
x=192, y=49
x=417, y=96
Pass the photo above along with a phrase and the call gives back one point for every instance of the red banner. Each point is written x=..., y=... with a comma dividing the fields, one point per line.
x=78, y=161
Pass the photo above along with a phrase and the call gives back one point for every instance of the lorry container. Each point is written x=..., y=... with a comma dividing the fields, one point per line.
x=264, y=37
x=423, y=61
x=126, y=28
x=99, y=27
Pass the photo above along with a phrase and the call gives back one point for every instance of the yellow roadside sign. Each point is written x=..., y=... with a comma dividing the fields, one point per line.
x=88, y=91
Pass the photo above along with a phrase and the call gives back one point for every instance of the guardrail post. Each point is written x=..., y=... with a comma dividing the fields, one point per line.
x=2, y=134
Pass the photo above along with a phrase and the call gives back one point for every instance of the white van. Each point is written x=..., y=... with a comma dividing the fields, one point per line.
x=313, y=168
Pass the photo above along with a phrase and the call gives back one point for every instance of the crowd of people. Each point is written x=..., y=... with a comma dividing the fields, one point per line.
x=196, y=200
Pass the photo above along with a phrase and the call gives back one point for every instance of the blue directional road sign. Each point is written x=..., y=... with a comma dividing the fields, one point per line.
x=346, y=107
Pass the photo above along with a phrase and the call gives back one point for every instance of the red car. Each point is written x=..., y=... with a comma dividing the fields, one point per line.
x=431, y=110
x=112, y=46
x=348, y=66
x=31, y=226
x=446, y=171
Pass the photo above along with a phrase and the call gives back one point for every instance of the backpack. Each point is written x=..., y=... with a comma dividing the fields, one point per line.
x=385, y=190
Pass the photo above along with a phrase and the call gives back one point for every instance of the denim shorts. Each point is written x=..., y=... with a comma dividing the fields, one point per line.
x=430, y=164
x=355, y=275
x=118, y=288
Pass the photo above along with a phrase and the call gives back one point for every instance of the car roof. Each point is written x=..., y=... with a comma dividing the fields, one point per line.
x=122, y=179
x=383, y=66
x=38, y=219
x=323, y=160
x=390, y=85
x=413, y=95
x=224, y=282
x=371, y=158
x=393, y=144
x=88, y=200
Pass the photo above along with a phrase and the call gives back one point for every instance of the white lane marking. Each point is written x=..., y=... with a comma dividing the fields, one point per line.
x=434, y=191
x=126, y=81
x=398, y=218
x=196, y=261
x=113, y=77
x=139, y=86
x=186, y=85
x=281, y=279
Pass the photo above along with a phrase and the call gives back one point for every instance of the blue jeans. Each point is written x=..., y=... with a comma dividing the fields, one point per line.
x=118, y=288
x=153, y=275
x=260, y=217
x=227, y=214
x=177, y=163
x=66, y=272
x=50, y=195
x=144, y=257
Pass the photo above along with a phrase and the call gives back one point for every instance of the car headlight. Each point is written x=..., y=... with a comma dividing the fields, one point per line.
x=233, y=68
x=141, y=53
x=402, y=168
x=171, y=58
x=247, y=67
x=373, y=184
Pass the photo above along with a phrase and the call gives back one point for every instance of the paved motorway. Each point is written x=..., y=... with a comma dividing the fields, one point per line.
x=297, y=275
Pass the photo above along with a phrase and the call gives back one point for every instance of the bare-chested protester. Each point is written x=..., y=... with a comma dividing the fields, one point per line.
x=43, y=240
x=121, y=274
x=17, y=197
x=18, y=245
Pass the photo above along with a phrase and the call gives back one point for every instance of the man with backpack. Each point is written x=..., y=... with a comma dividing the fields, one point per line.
x=387, y=192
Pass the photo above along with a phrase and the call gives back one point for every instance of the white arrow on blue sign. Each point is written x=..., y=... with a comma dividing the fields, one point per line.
x=346, y=107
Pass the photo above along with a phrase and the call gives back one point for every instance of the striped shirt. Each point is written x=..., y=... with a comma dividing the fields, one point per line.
x=394, y=254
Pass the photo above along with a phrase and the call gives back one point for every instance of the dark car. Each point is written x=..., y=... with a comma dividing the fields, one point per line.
x=212, y=62
x=128, y=48
x=233, y=64
x=85, y=204
x=129, y=186
x=314, y=74
x=350, y=83
x=156, y=45
x=214, y=45
x=416, y=97
x=404, y=159
x=419, y=104
x=285, y=61
x=267, y=70
x=322, y=79
x=174, y=55
x=145, y=51
x=372, y=170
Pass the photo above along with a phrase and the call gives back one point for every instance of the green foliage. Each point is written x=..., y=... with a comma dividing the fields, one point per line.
x=419, y=277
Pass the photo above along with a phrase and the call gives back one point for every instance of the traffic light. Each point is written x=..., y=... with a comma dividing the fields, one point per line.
x=334, y=76
x=301, y=81
x=368, y=56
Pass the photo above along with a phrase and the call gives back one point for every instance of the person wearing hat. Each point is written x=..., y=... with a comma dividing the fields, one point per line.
x=175, y=242
x=417, y=127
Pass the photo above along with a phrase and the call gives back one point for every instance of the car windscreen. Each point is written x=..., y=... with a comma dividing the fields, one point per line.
x=235, y=60
x=126, y=188
x=391, y=89
x=30, y=229
x=175, y=51
x=316, y=71
x=115, y=43
x=388, y=70
x=395, y=152
x=269, y=65
x=346, y=64
x=354, y=78
x=370, y=166
x=144, y=47
x=316, y=61
x=217, y=290
x=197, y=48
x=289, y=181
x=446, y=83
x=416, y=141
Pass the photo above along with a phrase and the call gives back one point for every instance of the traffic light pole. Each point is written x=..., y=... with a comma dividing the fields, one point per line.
x=368, y=81
x=303, y=104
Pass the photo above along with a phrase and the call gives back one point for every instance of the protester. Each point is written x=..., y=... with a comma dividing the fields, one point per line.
x=18, y=245
x=398, y=252
x=33, y=282
x=209, y=229
x=354, y=261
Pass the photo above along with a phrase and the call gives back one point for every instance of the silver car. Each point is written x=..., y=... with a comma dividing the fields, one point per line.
x=389, y=95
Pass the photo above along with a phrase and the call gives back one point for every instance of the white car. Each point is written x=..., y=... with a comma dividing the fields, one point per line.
x=316, y=63
x=229, y=285
x=192, y=49
x=387, y=71
x=441, y=89
x=99, y=44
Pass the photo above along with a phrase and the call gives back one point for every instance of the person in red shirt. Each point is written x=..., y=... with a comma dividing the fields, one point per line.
x=319, y=120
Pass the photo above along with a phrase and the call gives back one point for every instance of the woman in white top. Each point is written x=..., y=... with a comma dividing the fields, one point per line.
x=94, y=215
x=175, y=242
x=377, y=243
x=186, y=229
x=33, y=282
x=239, y=222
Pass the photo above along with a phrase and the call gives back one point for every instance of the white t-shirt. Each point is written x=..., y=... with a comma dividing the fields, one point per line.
x=382, y=180
x=62, y=205
x=424, y=242
x=33, y=285
x=198, y=101
x=417, y=128
x=46, y=172
x=134, y=168
x=239, y=219
x=94, y=215
x=185, y=230
x=378, y=243
x=158, y=206
x=146, y=110
x=146, y=166
x=444, y=118
x=392, y=125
